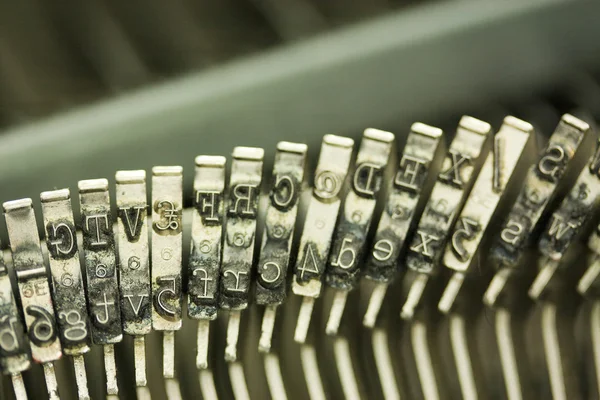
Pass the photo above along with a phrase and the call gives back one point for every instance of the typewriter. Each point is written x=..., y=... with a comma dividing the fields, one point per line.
x=300, y=199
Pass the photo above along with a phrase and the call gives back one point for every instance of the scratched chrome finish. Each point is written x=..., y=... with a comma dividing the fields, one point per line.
x=589, y=284
x=15, y=353
x=240, y=236
x=417, y=172
x=565, y=226
x=501, y=175
x=280, y=222
x=463, y=161
x=134, y=263
x=204, y=267
x=68, y=290
x=350, y=237
x=100, y=262
x=34, y=287
x=207, y=225
x=100, y=265
x=240, y=228
x=166, y=256
x=167, y=235
x=134, y=257
x=319, y=224
x=537, y=192
x=557, y=265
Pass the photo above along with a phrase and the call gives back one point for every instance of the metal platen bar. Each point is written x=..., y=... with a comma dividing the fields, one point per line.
x=566, y=224
x=315, y=243
x=349, y=240
x=101, y=264
x=513, y=148
x=134, y=263
x=240, y=234
x=538, y=190
x=167, y=234
x=68, y=288
x=34, y=288
x=461, y=166
x=280, y=221
x=205, y=255
x=418, y=169
x=15, y=353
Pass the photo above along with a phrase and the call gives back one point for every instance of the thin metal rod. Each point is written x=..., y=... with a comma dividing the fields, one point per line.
x=341, y=349
x=110, y=368
x=451, y=292
x=238, y=381
x=552, y=350
x=414, y=296
x=423, y=360
x=542, y=279
x=508, y=359
x=337, y=310
x=266, y=330
x=383, y=363
x=462, y=357
x=233, y=332
x=19, y=387
x=310, y=366
x=202, y=341
x=304, y=319
x=274, y=378
x=207, y=384
x=595, y=335
x=589, y=277
x=172, y=389
x=81, y=377
x=169, y=354
x=143, y=393
x=375, y=302
x=139, y=359
x=496, y=287
x=51, y=383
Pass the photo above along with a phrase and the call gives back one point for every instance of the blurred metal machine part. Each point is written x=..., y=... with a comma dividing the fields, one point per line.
x=309, y=78
x=161, y=123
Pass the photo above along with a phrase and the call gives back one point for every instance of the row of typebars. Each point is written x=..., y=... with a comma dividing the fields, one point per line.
x=482, y=223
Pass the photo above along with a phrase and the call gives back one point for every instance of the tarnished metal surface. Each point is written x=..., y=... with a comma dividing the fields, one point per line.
x=100, y=262
x=167, y=237
x=68, y=288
